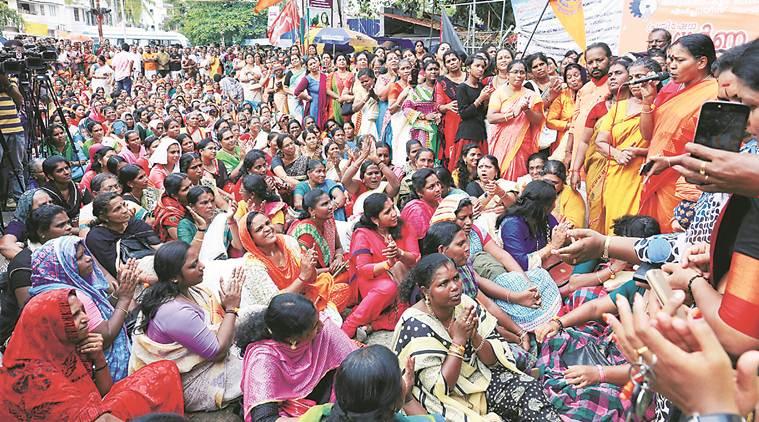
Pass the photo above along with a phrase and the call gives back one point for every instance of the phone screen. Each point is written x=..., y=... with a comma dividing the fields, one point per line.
x=722, y=125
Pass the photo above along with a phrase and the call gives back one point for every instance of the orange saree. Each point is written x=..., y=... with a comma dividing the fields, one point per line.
x=675, y=119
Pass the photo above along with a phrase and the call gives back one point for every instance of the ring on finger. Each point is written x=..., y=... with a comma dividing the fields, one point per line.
x=641, y=350
x=706, y=178
x=702, y=170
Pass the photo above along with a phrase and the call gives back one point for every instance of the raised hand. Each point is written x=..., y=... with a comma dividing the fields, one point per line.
x=129, y=276
x=230, y=298
x=200, y=222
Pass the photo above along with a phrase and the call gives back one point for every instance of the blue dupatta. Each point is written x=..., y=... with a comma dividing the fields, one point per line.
x=54, y=267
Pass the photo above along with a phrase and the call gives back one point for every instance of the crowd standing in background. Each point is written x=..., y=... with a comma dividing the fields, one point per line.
x=227, y=227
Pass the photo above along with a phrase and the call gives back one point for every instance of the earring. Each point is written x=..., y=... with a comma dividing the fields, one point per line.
x=293, y=344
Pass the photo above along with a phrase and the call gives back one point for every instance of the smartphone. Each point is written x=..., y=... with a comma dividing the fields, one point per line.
x=640, y=272
x=660, y=286
x=722, y=125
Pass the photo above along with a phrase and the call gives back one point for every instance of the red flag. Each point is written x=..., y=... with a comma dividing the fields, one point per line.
x=287, y=20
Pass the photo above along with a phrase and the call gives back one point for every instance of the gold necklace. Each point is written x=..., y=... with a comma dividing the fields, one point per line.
x=432, y=314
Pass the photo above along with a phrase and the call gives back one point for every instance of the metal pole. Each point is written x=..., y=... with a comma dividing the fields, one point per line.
x=535, y=29
x=500, y=33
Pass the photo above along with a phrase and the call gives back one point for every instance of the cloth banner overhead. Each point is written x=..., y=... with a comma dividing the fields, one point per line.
x=602, y=19
x=727, y=22
x=448, y=33
x=287, y=21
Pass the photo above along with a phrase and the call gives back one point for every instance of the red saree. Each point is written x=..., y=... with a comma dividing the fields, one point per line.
x=675, y=120
x=44, y=378
x=167, y=213
x=445, y=92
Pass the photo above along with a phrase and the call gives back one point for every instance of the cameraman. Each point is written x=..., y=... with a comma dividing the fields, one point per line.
x=15, y=140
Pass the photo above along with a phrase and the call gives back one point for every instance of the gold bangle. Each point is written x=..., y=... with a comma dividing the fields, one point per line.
x=607, y=243
x=457, y=348
x=456, y=355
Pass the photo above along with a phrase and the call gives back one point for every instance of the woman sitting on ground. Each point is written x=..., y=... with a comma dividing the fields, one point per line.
x=256, y=196
x=185, y=323
x=427, y=194
x=291, y=353
x=163, y=161
x=171, y=208
x=203, y=216
x=191, y=165
x=528, y=230
x=369, y=387
x=529, y=297
x=317, y=230
x=463, y=368
x=45, y=223
x=372, y=170
x=383, y=248
x=317, y=180
x=584, y=389
x=64, y=263
x=114, y=222
x=55, y=364
x=61, y=189
x=15, y=231
x=134, y=188
x=276, y=263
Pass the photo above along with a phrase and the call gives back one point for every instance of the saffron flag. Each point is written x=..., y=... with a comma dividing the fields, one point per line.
x=570, y=14
x=263, y=4
x=287, y=21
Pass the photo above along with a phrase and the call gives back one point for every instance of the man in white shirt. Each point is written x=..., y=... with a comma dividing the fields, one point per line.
x=137, y=59
x=123, y=64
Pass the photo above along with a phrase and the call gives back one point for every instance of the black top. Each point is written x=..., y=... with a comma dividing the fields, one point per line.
x=102, y=241
x=19, y=276
x=472, y=125
x=474, y=189
x=77, y=198
x=175, y=62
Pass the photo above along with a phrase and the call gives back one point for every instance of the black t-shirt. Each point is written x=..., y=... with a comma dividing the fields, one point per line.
x=102, y=241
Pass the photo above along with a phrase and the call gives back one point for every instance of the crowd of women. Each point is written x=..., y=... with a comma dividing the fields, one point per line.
x=232, y=235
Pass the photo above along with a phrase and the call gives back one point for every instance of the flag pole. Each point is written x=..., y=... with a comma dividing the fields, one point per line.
x=535, y=29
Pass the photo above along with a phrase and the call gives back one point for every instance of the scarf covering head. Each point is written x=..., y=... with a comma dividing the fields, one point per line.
x=24, y=205
x=55, y=267
x=282, y=276
x=446, y=210
x=273, y=372
x=43, y=376
x=161, y=153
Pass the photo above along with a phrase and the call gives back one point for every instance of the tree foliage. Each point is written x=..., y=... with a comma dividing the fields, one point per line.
x=9, y=17
x=211, y=22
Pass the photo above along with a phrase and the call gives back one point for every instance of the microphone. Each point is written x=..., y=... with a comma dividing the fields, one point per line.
x=657, y=77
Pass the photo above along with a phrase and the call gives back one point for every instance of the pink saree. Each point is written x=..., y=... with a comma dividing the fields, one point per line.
x=273, y=372
x=514, y=140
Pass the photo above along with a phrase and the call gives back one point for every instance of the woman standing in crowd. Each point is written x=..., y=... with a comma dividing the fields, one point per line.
x=472, y=97
x=447, y=103
x=668, y=120
x=339, y=85
x=562, y=109
x=421, y=111
x=517, y=114
x=313, y=89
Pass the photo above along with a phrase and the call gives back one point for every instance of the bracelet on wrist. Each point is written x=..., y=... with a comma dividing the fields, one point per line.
x=690, y=283
x=607, y=243
x=601, y=373
x=558, y=321
x=98, y=369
